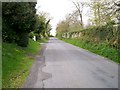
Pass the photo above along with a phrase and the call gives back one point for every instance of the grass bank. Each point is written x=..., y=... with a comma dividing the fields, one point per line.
x=101, y=49
x=44, y=40
x=16, y=62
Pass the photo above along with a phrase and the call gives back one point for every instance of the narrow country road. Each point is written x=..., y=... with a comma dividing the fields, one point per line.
x=73, y=67
x=68, y=66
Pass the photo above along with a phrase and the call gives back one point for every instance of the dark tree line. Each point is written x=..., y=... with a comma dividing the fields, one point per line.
x=19, y=19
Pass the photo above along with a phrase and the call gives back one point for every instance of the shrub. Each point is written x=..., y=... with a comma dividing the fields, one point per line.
x=18, y=20
x=23, y=40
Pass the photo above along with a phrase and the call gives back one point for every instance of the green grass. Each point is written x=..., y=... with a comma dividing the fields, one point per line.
x=44, y=40
x=16, y=63
x=100, y=49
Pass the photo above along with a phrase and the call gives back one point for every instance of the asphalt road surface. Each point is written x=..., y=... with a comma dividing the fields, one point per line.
x=67, y=66
x=73, y=67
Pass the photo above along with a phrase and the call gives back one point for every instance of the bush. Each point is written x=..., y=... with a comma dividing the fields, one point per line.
x=18, y=20
x=105, y=34
x=99, y=34
x=31, y=35
x=23, y=40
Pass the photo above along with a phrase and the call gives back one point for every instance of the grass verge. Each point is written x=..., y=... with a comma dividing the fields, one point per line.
x=44, y=40
x=101, y=49
x=16, y=62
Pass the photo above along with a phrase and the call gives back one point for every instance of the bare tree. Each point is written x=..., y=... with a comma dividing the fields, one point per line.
x=116, y=8
x=79, y=6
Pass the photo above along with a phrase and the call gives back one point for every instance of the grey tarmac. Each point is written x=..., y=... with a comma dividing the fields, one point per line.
x=68, y=66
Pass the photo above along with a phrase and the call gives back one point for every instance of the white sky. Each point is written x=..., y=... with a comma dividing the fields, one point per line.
x=58, y=9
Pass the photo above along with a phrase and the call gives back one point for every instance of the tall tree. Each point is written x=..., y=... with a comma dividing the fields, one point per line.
x=73, y=20
x=18, y=21
x=101, y=14
x=79, y=6
x=42, y=26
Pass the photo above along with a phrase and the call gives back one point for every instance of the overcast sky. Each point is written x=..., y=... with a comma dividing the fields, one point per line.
x=58, y=9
